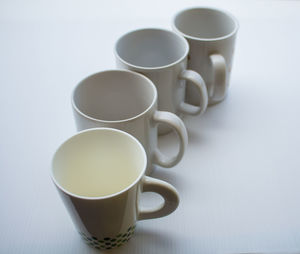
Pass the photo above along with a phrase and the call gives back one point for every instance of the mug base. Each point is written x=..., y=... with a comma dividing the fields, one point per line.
x=213, y=103
x=108, y=243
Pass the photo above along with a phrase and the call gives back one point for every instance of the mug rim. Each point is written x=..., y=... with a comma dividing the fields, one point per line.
x=228, y=14
x=154, y=99
x=138, y=67
x=106, y=196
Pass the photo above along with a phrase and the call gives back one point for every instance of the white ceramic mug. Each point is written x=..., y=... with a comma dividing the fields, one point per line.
x=127, y=101
x=211, y=35
x=161, y=55
x=99, y=174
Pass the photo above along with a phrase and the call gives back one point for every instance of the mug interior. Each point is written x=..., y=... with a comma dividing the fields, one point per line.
x=114, y=95
x=205, y=23
x=98, y=163
x=151, y=48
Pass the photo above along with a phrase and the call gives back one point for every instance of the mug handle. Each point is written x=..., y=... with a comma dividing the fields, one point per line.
x=218, y=89
x=166, y=190
x=198, y=82
x=178, y=126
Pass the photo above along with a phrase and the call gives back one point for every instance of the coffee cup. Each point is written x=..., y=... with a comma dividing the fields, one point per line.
x=161, y=55
x=127, y=101
x=100, y=175
x=211, y=34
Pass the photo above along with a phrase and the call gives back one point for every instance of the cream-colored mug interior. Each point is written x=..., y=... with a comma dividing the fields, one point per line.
x=98, y=162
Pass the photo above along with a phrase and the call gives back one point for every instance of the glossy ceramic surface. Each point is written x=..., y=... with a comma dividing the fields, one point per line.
x=161, y=55
x=127, y=101
x=211, y=34
x=105, y=222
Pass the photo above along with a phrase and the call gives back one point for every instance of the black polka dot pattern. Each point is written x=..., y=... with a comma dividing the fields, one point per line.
x=108, y=243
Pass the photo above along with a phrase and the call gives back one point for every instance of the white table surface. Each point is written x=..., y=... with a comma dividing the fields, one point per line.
x=239, y=181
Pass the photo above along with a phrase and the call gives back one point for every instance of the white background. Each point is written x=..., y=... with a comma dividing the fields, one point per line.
x=239, y=179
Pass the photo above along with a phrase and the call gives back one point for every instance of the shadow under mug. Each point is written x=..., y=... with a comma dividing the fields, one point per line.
x=127, y=101
x=211, y=34
x=99, y=175
x=161, y=55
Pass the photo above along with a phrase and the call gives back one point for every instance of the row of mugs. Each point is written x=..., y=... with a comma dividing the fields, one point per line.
x=101, y=171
